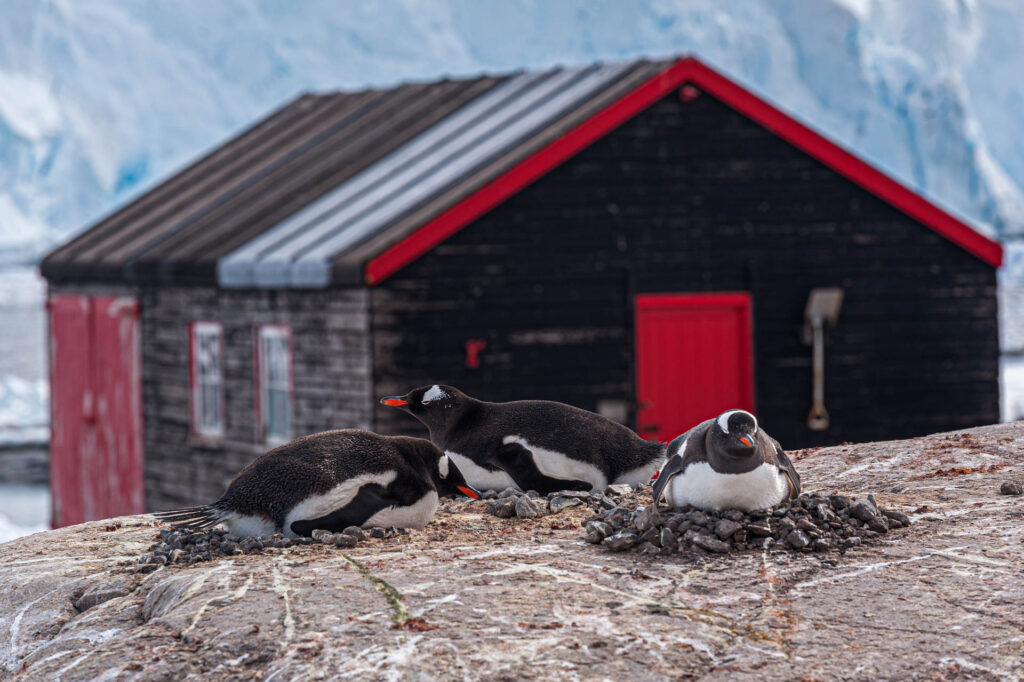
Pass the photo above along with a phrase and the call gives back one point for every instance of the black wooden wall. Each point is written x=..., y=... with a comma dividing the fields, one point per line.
x=691, y=196
x=330, y=354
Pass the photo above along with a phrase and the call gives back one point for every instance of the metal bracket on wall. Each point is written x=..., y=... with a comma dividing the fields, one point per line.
x=822, y=306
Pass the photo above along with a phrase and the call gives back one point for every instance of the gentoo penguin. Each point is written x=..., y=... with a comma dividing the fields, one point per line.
x=530, y=444
x=332, y=480
x=727, y=463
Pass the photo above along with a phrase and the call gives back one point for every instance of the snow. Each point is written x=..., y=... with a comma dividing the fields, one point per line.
x=1012, y=401
x=26, y=510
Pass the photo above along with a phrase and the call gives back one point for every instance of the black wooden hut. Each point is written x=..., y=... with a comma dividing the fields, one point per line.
x=638, y=239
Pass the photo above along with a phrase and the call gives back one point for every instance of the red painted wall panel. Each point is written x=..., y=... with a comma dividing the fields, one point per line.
x=694, y=360
x=96, y=446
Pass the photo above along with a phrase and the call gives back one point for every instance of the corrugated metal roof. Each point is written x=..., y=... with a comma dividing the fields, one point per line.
x=179, y=230
x=298, y=252
x=290, y=202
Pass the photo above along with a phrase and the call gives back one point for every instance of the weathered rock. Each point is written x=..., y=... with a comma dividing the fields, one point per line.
x=527, y=508
x=345, y=540
x=104, y=591
x=862, y=510
x=797, y=539
x=508, y=492
x=1010, y=488
x=897, y=517
x=378, y=533
x=878, y=524
x=710, y=543
x=601, y=528
x=759, y=529
x=648, y=518
x=561, y=502
x=727, y=527
x=619, y=517
x=318, y=534
x=356, y=532
x=666, y=539
x=503, y=507
x=622, y=540
x=619, y=490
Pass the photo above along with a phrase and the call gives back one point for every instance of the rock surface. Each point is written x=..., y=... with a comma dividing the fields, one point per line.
x=474, y=596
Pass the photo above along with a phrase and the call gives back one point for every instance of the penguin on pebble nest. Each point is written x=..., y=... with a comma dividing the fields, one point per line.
x=332, y=480
x=530, y=444
x=727, y=463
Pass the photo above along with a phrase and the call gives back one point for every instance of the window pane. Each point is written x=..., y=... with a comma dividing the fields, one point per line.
x=207, y=391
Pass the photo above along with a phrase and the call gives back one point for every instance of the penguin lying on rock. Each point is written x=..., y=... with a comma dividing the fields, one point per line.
x=530, y=444
x=727, y=463
x=332, y=480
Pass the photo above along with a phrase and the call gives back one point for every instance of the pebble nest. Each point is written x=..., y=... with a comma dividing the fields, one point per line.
x=187, y=547
x=513, y=503
x=810, y=523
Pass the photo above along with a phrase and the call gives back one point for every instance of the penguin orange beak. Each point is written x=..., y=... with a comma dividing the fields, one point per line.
x=469, y=492
x=393, y=401
x=746, y=441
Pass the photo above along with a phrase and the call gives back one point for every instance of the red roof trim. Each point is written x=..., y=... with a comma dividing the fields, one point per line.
x=686, y=70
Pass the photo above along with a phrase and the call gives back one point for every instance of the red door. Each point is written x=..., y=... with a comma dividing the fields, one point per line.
x=693, y=360
x=96, y=410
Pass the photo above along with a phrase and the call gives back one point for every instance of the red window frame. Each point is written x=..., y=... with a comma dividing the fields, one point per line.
x=258, y=366
x=216, y=437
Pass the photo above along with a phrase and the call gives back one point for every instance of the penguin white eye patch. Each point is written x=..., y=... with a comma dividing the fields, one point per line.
x=442, y=466
x=435, y=392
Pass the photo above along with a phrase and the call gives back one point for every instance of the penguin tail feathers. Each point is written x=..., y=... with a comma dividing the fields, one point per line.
x=193, y=518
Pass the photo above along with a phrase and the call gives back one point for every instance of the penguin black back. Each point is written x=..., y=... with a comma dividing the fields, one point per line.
x=536, y=444
x=324, y=470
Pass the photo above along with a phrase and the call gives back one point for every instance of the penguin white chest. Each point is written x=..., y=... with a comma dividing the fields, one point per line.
x=705, y=488
x=478, y=477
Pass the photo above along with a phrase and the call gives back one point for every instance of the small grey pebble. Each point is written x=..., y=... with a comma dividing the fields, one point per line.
x=488, y=494
x=725, y=528
x=1010, y=488
x=378, y=533
x=527, y=508
x=559, y=503
x=319, y=533
x=797, y=539
x=504, y=508
x=356, y=532
x=345, y=540
x=711, y=544
x=622, y=540
x=507, y=492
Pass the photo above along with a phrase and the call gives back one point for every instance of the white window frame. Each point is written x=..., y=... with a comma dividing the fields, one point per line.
x=206, y=379
x=274, y=375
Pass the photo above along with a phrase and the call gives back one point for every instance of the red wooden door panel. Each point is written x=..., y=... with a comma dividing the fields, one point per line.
x=96, y=446
x=693, y=360
x=70, y=403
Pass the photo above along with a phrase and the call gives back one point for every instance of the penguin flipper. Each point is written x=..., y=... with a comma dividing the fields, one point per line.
x=370, y=499
x=786, y=465
x=517, y=462
x=673, y=467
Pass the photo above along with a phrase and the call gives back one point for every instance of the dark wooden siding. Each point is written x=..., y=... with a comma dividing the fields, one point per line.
x=695, y=197
x=331, y=373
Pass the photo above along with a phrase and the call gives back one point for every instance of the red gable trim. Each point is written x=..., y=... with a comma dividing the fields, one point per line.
x=686, y=70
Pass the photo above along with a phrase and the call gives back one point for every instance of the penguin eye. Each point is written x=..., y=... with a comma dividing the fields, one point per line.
x=442, y=466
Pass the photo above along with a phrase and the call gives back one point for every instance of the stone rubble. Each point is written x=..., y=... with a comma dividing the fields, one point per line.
x=811, y=523
x=512, y=503
x=187, y=547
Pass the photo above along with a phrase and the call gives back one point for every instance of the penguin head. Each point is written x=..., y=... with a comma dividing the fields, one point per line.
x=437, y=406
x=450, y=481
x=734, y=433
x=427, y=459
